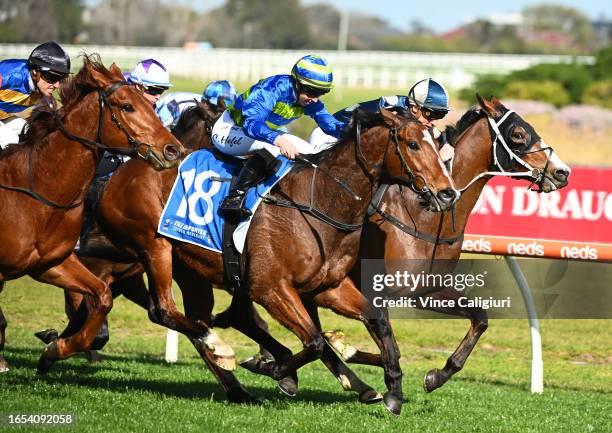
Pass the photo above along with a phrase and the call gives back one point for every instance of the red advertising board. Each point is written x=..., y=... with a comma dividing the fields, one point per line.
x=573, y=223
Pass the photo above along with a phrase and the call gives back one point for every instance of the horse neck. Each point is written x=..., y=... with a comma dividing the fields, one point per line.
x=472, y=157
x=68, y=163
x=360, y=176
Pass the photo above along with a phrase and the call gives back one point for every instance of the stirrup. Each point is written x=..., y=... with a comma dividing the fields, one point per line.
x=233, y=206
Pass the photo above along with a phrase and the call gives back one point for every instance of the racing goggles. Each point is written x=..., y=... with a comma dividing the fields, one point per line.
x=155, y=90
x=431, y=115
x=52, y=77
x=312, y=92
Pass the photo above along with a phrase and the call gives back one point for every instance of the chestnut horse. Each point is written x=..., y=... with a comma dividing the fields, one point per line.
x=400, y=229
x=43, y=181
x=314, y=267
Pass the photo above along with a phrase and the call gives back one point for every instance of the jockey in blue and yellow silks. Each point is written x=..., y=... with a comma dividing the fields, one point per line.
x=23, y=83
x=254, y=124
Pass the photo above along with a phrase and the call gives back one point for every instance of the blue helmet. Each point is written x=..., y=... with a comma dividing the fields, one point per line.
x=219, y=89
x=429, y=94
x=314, y=72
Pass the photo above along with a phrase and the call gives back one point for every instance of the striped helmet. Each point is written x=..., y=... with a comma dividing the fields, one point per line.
x=221, y=89
x=429, y=94
x=314, y=72
x=150, y=73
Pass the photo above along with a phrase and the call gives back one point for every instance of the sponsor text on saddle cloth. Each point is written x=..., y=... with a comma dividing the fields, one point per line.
x=191, y=212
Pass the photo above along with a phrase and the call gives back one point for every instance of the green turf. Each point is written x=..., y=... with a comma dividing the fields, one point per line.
x=134, y=390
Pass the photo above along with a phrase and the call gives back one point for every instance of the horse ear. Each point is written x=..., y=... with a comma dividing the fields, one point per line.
x=488, y=106
x=390, y=118
x=115, y=70
x=221, y=104
x=101, y=79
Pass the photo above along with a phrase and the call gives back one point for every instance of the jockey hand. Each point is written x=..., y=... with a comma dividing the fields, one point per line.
x=286, y=147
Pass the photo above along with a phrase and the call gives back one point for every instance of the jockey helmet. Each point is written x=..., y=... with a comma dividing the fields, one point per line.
x=221, y=89
x=150, y=73
x=431, y=96
x=50, y=57
x=314, y=74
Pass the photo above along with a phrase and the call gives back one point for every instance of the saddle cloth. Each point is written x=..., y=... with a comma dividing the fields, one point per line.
x=191, y=213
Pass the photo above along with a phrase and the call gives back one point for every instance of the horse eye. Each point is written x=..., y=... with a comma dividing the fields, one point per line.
x=413, y=145
x=127, y=107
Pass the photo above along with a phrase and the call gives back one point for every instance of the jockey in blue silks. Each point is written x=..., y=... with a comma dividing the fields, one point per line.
x=254, y=124
x=24, y=82
x=170, y=107
x=427, y=101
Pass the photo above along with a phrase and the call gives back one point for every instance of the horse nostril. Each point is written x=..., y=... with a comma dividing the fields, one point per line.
x=447, y=195
x=171, y=152
x=561, y=174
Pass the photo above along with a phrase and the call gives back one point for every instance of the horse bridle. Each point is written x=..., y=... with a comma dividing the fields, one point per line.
x=132, y=150
x=537, y=175
x=134, y=144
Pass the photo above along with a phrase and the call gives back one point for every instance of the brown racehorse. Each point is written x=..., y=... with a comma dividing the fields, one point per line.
x=314, y=266
x=474, y=149
x=43, y=181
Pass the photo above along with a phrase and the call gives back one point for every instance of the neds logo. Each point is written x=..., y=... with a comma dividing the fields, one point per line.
x=478, y=246
x=524, y=249
x=584, y=253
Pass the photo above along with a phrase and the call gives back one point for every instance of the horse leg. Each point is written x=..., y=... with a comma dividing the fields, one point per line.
x=242, y=316
x=4, y=366
x=347, y=378
x=157, y=260
x=72, y=275
x=72, y=302
x=198, y=301
x=284, y=304
x=479, y=323
x=347, y=301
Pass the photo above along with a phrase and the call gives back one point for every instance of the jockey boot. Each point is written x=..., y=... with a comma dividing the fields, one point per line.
x=255, y=169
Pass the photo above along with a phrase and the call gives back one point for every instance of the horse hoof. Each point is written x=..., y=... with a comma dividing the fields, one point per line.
x=288, y=386
x=430, y=381
x=93, y=356
x=370, y=396
x=44, y=364
x=47, y=335
x=242, y=396
x=392, y=403
x=255, y=365
x=4, y=366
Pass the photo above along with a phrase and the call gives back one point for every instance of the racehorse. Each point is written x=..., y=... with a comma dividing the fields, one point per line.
x=389, y=145
x=489, y=140
x=44, y=178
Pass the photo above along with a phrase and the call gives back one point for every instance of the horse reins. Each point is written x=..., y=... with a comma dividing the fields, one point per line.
x=132, y=150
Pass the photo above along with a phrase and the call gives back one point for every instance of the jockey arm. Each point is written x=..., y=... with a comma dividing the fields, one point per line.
x=256, y=111
x=328, y=123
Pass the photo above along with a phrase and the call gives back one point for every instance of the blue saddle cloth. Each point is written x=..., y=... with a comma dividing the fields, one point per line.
x=191, y=213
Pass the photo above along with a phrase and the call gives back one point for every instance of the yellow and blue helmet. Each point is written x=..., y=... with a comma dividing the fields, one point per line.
x=313, y=72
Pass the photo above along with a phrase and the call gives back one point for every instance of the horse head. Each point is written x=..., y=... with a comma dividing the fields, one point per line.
x=126, y=123
x=411, y=158
x=195, y=124
x=517, y=147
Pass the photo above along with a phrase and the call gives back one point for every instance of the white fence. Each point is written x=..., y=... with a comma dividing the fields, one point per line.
x=376, y=69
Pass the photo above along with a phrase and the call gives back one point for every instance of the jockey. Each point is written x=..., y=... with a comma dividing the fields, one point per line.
x=24, y=82
x=427, y=100
x=152, y=76
x=254, y=123
x=154, y=79
x=170, y=107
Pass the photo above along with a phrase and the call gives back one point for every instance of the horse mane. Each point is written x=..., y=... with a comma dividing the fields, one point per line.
x=42, y=121
x=469, y=118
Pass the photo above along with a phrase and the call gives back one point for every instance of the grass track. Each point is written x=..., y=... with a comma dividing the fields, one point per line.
x=133, y=390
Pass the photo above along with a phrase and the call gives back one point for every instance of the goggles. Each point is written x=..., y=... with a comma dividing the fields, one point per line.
x=154, y=90
x=433, y=114
x=52, y=77
x=312, y=92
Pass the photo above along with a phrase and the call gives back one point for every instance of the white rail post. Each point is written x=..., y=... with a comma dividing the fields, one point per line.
x=537, y=365
x=171, y=346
